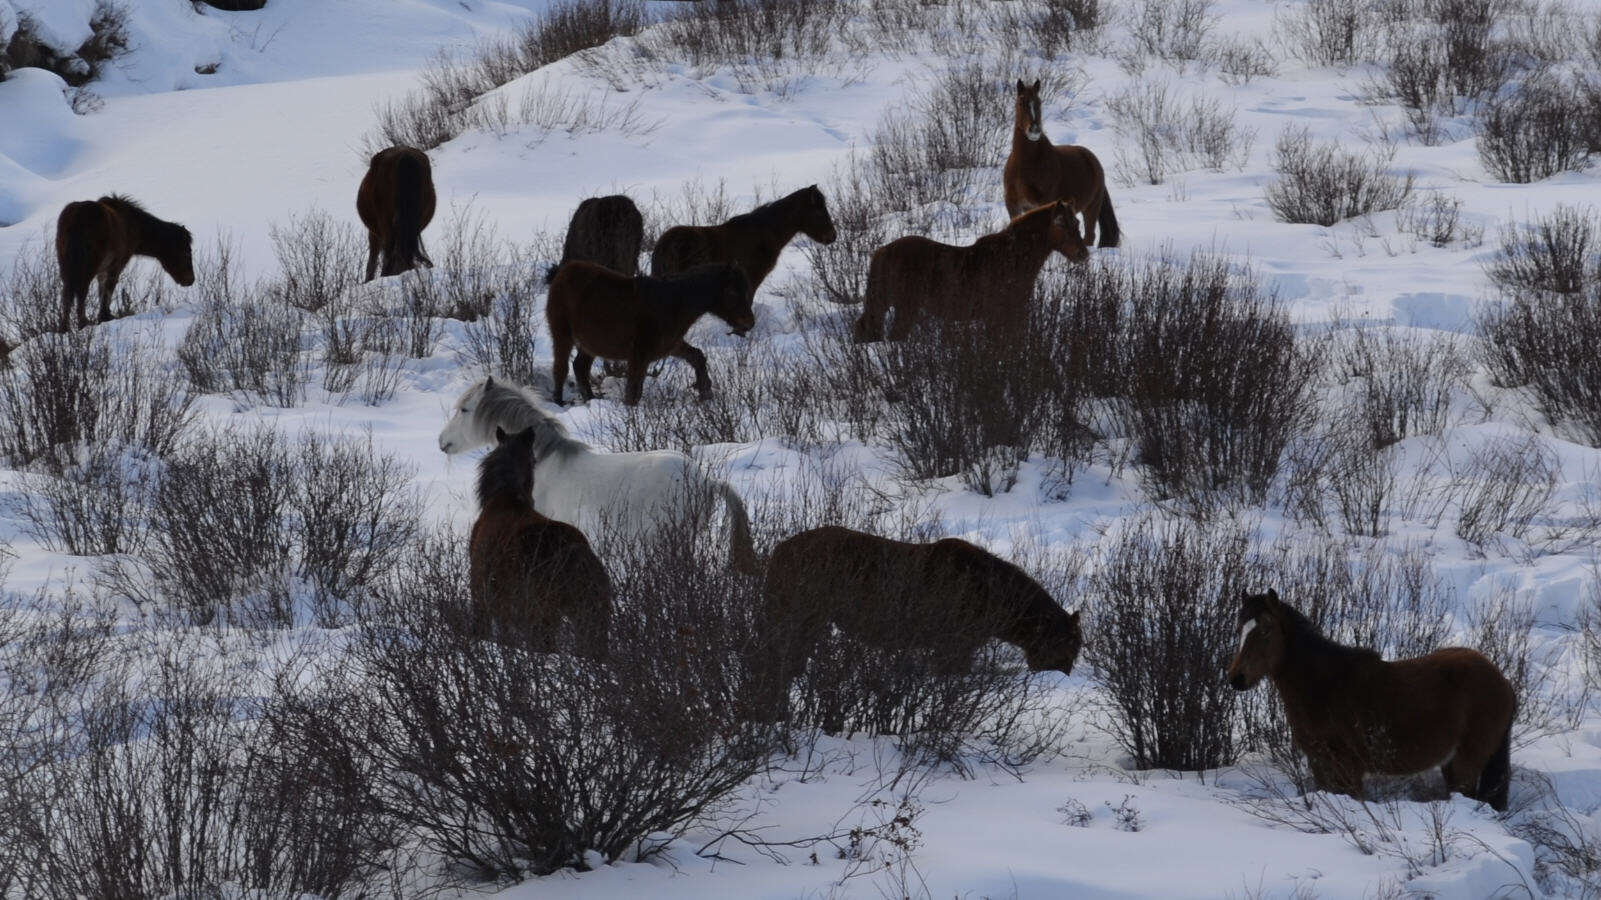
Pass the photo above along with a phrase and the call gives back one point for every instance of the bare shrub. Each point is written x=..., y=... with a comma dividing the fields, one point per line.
x=1531, y=132
x=1216, y=383
x=1504, y=488
x=1502, y=625
x=1437, y=221
x=1239, y=60
x=1559, y=253
x=839, y=270
x=318, y=260
x=1367, y=594
x=30, y=298
x=92, y=508
x=1547, y=342
x=768, y=45
x=1056, y=27
x=1172, y=30
x=1443, y=52
x=1163, y=595
x=1332, y=32
x=62, y=390
x=1168, y=135
x=505, y=761
x=1405, y=379
x=502, y=342
x=1361, y=476
x=1321, y=184
x=241, y=341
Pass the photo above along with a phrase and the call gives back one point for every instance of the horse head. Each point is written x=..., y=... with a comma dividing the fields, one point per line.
x=177, y=256
x=462, y=433
x=1060, y=649
x=1028, y=117
x=1066, y=238
x=816, y=223
x=733, y=301
x=508, y=470
x=1261, y=651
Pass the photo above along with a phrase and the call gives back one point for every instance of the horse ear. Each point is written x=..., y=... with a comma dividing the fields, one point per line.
x=500, y=435
x=489, y=381
x=1036, y=85
x=1020, y=87
x=1272, y=597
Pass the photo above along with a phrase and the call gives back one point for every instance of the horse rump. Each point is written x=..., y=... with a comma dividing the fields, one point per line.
x=405, y=234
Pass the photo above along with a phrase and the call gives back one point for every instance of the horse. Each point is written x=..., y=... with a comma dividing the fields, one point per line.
x=604, y=230
x=752, y=240
x=632, y=496
x=948, y=596
x=1038, y=172
x=396, y=202
x=1352, y=713
x=527, y=572
x=97, y=238
x=639, y=319
x=991, y=279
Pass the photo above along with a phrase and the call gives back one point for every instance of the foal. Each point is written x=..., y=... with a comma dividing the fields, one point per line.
x=639, y=319
x=949, y=597
x=396, y=202
x=991, y=279
x=1038, y=172
x=528, y=572
x=1352, y=713
x=97, y=238
x=752, y=241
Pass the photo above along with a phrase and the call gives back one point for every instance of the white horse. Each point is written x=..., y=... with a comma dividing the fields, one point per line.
x=624, y=495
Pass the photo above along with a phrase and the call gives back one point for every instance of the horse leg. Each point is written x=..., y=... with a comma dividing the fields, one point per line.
x=1336, y=775
x=582, y=363
x=108, y=289
x=66, y=308
x=693, y=356
x=636, y=380
x=372, y=257
x=558, y=366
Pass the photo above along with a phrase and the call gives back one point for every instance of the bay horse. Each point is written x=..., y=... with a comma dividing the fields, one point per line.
x=97, y=238
x=607, y=231
x=527, y=572
x=630, y=495
x=639, y=319
x=396, y=202
x=1352, y=713
x=1038, y=172
x=752, y=240
x=948, y=596
x=991, y=279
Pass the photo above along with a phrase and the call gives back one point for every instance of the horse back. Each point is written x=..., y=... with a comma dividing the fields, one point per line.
x=86, y=233
x=682, y=247
x=597, y=307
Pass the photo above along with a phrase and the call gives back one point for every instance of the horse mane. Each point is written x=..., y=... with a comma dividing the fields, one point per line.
x=143, y=220
x=768, y=213
x=704, y=275
x=1303, y=637
x=509, y=407
x=1023, y=219
x=504, y=476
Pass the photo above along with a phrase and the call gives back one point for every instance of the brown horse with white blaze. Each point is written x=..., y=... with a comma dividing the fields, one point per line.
x=396, y=202
x=991, y=279
x=1352, y=713
x=97, y=239
x=1039, y=172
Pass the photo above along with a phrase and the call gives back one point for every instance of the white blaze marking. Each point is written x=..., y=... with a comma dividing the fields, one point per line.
x=1245, y=632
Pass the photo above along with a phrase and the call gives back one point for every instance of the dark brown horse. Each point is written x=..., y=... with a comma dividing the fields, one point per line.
x=604, y=230
x=992, y=279
x=97, y=238
x=396, y=202
x=1038, y=172
x=639, y=319
x=1352, y=713
x=529, y=572
x=949, y=597
x=752, y=241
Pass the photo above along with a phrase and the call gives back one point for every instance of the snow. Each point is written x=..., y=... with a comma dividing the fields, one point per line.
x=278, y=129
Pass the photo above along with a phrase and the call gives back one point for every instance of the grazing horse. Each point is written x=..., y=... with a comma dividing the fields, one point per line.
x=396, y=202
x=948, y=596
x=527, y=572
x=97, y=238
x=639, y=319
x=991, y=279
x=604, y=230
x=1352, y=713
x=629, y=495
x=752, y=241
x=1038, y=172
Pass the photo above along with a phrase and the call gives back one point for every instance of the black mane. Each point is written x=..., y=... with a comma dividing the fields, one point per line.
x=768, y=213
x=144, y=221
x=506, y=474
x=1302, y=636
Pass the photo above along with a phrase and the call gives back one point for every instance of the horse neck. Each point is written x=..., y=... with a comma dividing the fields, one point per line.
x=1022, y=145
x=684, y=307
x=1311, y=674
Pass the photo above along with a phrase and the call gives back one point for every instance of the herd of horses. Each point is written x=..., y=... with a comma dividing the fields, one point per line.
x=544, y=496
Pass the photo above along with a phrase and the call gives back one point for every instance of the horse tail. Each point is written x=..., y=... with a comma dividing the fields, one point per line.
x=1110, y=233
x=741, y=549
x=1496, y=778
x=405, y=237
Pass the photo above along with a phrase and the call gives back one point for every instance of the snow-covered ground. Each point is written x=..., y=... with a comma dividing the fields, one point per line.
x=278, y=130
